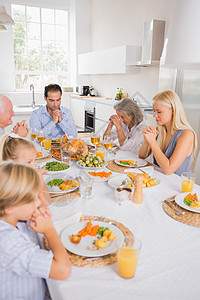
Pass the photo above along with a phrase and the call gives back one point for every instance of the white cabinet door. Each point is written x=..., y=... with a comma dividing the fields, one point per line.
x=84, y=63
x=77, y=110
x=115, y=60
x=104, y=111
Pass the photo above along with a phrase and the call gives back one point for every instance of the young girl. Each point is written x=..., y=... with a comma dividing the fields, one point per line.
x=23, y=265
x=23, y=151
x=174, y=147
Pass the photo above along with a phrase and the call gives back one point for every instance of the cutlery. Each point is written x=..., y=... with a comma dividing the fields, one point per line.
x=101, y=218
x=124, y=182
x=177, y=211
x=99, y=257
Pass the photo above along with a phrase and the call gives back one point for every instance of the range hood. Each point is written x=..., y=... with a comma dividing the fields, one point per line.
x=152, y=45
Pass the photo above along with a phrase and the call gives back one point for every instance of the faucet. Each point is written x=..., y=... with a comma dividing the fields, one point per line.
x=33, y=94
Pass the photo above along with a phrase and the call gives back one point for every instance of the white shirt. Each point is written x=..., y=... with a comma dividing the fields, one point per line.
x=22, y=263
x=134, y=137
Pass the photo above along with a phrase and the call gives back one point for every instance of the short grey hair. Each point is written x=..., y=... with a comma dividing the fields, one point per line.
x=130, y=108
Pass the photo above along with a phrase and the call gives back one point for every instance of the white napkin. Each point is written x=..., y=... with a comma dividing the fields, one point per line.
x=61, y=224
x=149, y=170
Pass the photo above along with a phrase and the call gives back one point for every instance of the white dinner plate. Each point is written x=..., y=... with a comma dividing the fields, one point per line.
x=98, y=178
x=56, y=189
x=117, y=180
x=82, y=248
x=44, y=154
x=140, y=162
x=42, y=165
x=91, y=168
x=179, y=199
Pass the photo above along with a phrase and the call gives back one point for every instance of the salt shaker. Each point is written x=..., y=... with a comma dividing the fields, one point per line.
x=138, y=192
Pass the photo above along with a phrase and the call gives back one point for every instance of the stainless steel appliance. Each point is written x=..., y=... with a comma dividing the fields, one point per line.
x=89, y=116
x=79, y=89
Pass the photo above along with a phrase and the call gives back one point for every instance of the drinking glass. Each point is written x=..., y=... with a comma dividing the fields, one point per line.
x=33, y=134
x=100, y=152
x=65, y=155
x=187, y=181
x=95, y=138
x=122, y=194
x=108, y=143
x=41, y=137
x=127, y=259
x=47, y=143
x=85, y=186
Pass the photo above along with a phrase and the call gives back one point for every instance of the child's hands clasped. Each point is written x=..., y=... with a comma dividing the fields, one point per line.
x=41, y=220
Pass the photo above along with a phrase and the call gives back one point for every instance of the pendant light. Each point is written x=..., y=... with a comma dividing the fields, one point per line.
x=4, y=17
x=182, y=45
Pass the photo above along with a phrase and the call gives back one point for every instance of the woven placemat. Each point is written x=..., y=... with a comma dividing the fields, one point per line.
x=45, y=158
x=80, y=261
x=189, y=218
x=65, y=197
x=111, y=165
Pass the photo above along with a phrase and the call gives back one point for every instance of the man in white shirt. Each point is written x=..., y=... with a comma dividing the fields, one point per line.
x=6, y=114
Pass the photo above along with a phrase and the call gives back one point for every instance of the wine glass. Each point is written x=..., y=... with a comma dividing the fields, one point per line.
x=41, y=137
x=108, y=143
x=33, y=134
x=95, y=138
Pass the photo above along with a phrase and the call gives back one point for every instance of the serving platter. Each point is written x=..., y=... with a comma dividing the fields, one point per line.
x=117, y=180
x=43, y=164
x=82, y=248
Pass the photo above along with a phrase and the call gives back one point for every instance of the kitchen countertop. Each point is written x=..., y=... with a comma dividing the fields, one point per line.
x=96, y=99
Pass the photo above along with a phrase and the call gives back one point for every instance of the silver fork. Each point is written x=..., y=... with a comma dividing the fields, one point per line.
x=177, y=211
x=101, y=218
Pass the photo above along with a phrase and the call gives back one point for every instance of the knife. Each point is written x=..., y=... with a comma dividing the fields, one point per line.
x=98, y=257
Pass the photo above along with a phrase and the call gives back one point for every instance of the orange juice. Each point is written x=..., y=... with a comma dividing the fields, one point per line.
x=187, y=186
x=47, y=144
x=41, y=138
x=108, y=146
x=95, y=140
x=100, y=153
x=127, y=259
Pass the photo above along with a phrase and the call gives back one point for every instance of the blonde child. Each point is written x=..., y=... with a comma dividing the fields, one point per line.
x=23, y=151
x=23, y=265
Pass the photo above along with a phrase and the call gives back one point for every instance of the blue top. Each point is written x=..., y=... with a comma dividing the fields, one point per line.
x=41, y=119
x=23, y=265
x=186, y=165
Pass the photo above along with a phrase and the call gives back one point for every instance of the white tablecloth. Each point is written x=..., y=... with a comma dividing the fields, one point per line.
x=169, y=263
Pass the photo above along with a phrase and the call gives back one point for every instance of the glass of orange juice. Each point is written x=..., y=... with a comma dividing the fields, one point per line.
x=47, y=143
x=127, y=259
x=187, y=181
x=100, y=152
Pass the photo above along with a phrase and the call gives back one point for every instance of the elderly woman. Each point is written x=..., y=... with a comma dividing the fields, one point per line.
x=127, y=125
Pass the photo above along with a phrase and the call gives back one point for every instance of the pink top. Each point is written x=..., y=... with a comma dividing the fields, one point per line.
x=134, y=137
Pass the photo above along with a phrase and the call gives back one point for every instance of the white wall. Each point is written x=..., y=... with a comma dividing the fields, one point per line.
x=120, y=22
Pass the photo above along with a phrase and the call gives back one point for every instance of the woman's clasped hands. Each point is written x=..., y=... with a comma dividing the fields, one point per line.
x=150, y=133
x=116, y=120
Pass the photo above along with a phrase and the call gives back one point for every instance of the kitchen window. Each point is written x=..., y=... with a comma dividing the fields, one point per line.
x=40, y=41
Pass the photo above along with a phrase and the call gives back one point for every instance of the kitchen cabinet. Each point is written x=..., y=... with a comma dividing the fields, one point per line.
x=103, y=112
x=108, y=61
x=77, y=109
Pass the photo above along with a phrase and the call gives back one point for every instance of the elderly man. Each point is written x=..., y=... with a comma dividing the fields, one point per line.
x=6, y=114
x=53, y=118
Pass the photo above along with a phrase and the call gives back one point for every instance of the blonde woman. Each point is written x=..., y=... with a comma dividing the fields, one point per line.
x=127, y=125
x=23, y=151
x=174, y=142
x=23, y=265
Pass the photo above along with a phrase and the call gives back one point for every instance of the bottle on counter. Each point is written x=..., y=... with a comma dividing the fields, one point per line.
x=117, y=95
x=120, y=94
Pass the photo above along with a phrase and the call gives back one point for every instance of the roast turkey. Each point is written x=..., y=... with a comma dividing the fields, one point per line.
x=76, y=148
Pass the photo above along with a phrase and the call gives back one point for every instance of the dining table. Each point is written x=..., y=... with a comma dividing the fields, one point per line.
x=169, y=260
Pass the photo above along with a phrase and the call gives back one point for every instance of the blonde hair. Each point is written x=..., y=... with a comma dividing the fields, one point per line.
x=19, y=184
x=11, y=146
x=171, y=100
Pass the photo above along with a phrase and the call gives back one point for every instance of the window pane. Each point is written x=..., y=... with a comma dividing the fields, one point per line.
x=20, y=63
x=34, y=63
x=33, y=14
x=21, y=81
x=48, y=32
x=49, y=78
x=33, y=47
x=18, y=12
x=61, y=17
x=61, y=64
x=20, y=46
x=33, y=31
x=48, y=48
x=19, y=30
x=62, y=80
x=61, y=49
x=36, y=80
x=48, y=63
x=47, y=15
x=61, y=33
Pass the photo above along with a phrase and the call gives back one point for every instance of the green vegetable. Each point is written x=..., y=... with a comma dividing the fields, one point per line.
x=101, y=230
x=55, y=166
x=124, y=163
x=55, y=182
x=188, y=201
x=91, y=162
